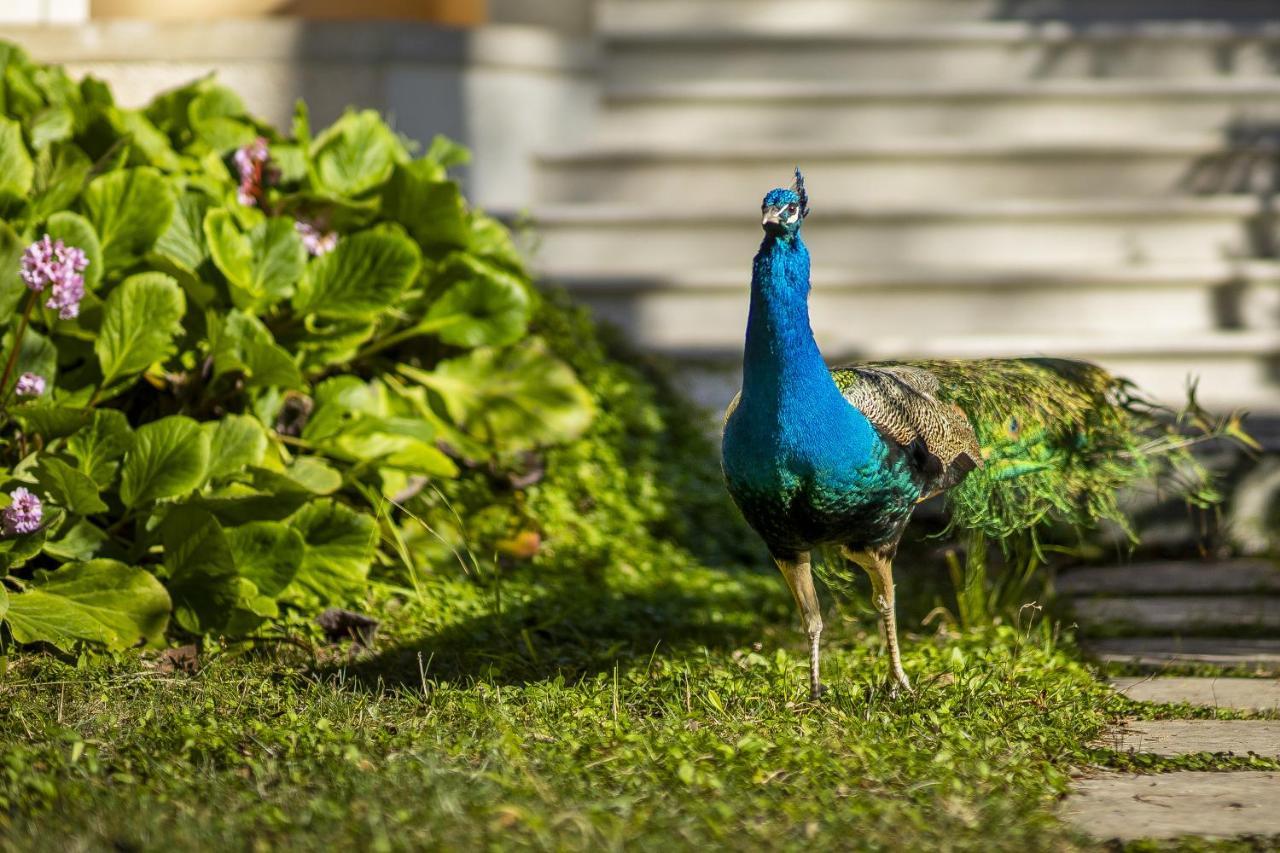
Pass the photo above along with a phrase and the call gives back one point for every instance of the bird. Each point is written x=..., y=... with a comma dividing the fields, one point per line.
x=838, y=458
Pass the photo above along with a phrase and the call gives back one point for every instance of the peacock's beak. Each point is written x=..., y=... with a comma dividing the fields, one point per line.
x=772, y=218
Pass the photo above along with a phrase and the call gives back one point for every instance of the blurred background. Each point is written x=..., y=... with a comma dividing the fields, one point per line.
x=989, y=177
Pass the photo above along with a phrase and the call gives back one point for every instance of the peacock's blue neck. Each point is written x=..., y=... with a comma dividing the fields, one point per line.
x=787, y=389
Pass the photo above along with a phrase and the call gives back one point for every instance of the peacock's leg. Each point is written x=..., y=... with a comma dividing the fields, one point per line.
x=879, y=567
x=800, y=580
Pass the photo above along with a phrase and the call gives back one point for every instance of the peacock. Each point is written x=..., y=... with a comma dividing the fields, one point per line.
x=838, y=458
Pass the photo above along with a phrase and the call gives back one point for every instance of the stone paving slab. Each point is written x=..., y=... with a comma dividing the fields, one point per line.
x=1166, y=805
x=1260, y=655
x=1188, y=737
x=1175, y=613
x=1171, y=577
x=1244, y=694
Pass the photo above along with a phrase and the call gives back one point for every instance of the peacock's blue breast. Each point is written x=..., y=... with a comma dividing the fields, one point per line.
x=803, y=487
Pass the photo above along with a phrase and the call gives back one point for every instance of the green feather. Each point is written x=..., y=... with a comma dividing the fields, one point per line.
x=1061, y=440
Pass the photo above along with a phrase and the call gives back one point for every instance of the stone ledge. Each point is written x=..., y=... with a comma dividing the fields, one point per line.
x=1190, y=737
x=1242, y=694
x=291, y=39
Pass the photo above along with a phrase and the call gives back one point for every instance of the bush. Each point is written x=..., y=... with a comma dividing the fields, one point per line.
x=227, y=350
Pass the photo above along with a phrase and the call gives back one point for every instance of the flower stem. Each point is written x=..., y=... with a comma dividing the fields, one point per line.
x=17, y=346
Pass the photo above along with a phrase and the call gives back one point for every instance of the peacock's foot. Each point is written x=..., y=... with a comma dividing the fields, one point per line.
x=900, y=684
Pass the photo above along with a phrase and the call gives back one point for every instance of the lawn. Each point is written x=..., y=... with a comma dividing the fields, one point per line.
x=634, y=711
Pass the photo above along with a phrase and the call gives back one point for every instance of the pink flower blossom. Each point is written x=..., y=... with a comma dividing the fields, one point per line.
x=317, y=242
x=47, y=263
x=23, y=514
x=29, y=385
x=254, y=164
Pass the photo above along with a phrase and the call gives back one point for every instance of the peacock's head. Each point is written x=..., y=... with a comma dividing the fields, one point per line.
x=784, y=209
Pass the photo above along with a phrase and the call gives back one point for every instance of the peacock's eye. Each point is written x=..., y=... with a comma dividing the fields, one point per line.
x=791, y=208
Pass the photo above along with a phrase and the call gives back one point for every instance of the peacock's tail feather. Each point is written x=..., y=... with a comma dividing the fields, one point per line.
x=1060, y=440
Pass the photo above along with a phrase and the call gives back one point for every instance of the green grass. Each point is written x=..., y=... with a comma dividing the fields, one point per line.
x=632, y=711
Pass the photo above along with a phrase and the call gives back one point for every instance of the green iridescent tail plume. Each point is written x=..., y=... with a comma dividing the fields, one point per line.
x=1061, y=439
x=1061, y=442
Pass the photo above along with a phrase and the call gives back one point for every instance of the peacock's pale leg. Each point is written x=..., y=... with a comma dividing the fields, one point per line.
x=879, y=567
x=800, y=580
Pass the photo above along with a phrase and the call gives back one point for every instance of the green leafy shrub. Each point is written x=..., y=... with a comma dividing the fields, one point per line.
x=233, y=350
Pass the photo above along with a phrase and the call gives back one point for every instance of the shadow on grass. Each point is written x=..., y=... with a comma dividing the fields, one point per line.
x=578, y=629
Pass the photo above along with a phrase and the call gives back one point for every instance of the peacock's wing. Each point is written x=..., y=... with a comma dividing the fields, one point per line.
x=1058, y=437
x=906, y=404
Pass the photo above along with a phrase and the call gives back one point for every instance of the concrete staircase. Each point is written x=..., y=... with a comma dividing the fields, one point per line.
x=988, y=178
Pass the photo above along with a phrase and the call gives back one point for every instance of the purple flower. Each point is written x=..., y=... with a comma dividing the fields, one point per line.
x=66, y=297
x=23, y=514
x=253, y=163
x=29, y=385
x=317, y=242
x=47, y=263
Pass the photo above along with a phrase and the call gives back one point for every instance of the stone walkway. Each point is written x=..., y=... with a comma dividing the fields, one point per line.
x=1129, y=806
x=1182, y=612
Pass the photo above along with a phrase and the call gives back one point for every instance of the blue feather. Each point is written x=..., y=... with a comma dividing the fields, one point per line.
x=804, y=465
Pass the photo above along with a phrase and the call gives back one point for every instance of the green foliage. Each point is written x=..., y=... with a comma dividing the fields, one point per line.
x=265, y=355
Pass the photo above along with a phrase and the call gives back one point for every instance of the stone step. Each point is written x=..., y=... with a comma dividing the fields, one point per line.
x=1040, y=234
x=1240, y=694
x=800, y=15
x=830, y=112
x=1235, y=368
x=979, y=51
x=710, y=307
x=902, y=171
x=1261, y=656
x=1172, y=577
x=1129, y=806
x=1179, y=614
x=1191, y=737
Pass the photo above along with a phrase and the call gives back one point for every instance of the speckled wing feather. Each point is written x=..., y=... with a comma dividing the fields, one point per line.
x=902, y=401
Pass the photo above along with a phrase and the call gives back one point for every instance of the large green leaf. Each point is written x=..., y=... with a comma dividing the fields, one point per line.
x=306, y=476
x=130, y=209
x=61, y=173
x=235, y=441
x=479, y=304
x=261, y=267
x=419, y=197
x=16, y=167
x=52, y=124
x=202, y=571
x=74, y=230
x=149, y=147
x=81, y=541
x=355, y=154
x=12, y=288
x=512, y=398
x=170, y=457
x=69, y=488
x=363, y=276
x=140, y=320
x=183, y=242
x=216, y=119
x=100, y=601
x=405, y=443
x=50, y=422
x=267, y=553
x=99, y=446
x=241, y=343
x=339, y=548
x=37, y=354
